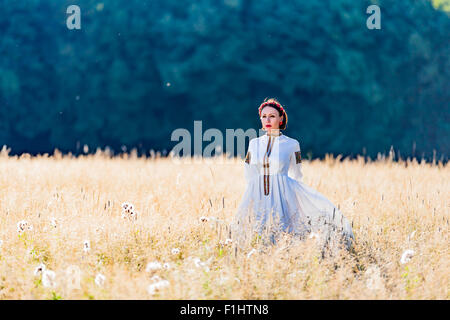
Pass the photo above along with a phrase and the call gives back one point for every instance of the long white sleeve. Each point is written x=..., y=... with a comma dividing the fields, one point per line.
x=295, y=164
x=250, y=170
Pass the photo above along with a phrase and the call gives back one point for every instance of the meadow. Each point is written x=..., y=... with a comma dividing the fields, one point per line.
x=75, y=242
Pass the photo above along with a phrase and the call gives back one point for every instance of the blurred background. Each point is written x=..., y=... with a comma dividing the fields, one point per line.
x=139, y=69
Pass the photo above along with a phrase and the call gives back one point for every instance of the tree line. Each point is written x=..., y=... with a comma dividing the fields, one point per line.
x=138, y=70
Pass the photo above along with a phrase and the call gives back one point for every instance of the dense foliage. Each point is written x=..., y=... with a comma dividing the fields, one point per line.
x=139, y=69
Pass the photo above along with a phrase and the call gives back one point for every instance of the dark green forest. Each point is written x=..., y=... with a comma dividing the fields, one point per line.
x=139, y=69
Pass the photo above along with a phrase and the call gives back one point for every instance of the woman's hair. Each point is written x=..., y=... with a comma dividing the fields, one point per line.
x=272, y=102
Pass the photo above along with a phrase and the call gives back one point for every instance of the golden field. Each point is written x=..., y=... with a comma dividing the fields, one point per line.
x=394, y=206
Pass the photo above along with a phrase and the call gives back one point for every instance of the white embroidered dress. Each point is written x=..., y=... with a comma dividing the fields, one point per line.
x=275, y=193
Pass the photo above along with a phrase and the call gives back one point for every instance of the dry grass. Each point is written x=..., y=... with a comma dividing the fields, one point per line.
x=386, y=201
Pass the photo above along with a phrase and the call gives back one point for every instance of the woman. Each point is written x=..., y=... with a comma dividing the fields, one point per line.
x=276, y=200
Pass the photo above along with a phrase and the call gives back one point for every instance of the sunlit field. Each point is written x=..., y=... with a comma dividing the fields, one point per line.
x=177, y=248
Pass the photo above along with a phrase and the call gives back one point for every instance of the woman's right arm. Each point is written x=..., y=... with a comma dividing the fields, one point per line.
x=295, y=165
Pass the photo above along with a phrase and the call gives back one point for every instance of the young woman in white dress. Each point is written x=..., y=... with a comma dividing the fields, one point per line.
x=276, y=200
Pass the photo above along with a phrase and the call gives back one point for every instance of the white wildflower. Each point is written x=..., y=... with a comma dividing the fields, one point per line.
x=228, y=242
x=23, y=225
x=48, y=278
x=152, y=266
x=86, y=246
x=100, y=279
x=406, y=256
x=314, y=235
x=39, y=269
x=1, y=243
x=126, y=206
x=175, y=251
x=53, y=222
x=203, y=219
x=167, y=266
x=251, y=253
x=128, y=211
x=157, y=286
x=155, y=278
x=199, y=264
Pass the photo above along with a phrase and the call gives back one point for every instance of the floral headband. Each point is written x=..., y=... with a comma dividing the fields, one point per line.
x=268, y=103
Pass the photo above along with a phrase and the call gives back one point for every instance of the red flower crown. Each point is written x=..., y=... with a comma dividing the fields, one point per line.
x=268, y=103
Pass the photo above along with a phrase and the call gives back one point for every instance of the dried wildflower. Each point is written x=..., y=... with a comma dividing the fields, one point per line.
x=86, y=246
x=23, y=226
x=48, y=278
x=39, y=269
x=157, y=286
x=314, y=235
x=100, y=279
x=407, y=256
x=127, y=207
x=175, y=251
x=128, y=211
x=53, y=222
x=153, y=266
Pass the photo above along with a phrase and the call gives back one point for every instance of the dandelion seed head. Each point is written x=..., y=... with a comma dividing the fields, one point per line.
x=314, y=235
x=86, y=246
x=23, y=226
x=200, y=264
x=48, y=278
x=157, y=286
x=153, y=266
x=53, y=222
x=128, y=211
x=100, y=279
x=39, y=269
x=406, y=256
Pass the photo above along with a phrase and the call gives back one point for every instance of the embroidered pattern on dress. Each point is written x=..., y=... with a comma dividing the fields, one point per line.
x=298, y=157
x=266, y=166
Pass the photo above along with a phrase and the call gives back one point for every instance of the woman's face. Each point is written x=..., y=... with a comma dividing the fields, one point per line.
x=270, y=118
